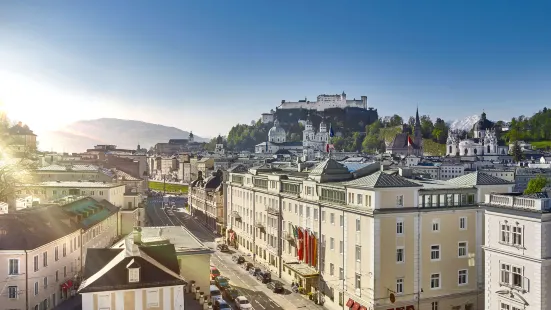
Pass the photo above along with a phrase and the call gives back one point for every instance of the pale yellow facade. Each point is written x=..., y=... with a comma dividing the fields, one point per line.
x=153, y=298
x=50, y=191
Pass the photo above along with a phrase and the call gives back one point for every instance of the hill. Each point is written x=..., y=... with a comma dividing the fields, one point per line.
x=82, y=135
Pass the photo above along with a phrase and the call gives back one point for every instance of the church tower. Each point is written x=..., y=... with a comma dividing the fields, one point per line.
x=418, y=135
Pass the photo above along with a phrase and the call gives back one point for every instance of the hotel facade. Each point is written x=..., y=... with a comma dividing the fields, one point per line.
x=375, y=240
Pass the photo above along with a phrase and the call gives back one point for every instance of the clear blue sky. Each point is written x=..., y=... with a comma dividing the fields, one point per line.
x=205, y=65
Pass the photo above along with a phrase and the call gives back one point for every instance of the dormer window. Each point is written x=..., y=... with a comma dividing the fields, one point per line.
x=133, y=271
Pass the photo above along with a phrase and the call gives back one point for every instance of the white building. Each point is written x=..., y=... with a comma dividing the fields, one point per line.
x=277, y=140
x=324, y=102
x=267, y=118
x=484, y=143
x=315, y=140
x=517, y=252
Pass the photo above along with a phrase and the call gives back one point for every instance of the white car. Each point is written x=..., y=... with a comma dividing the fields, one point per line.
x=242, y=303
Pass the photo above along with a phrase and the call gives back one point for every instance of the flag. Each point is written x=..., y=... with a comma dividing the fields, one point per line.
x=329, y=147
x=306, y=247
x=295, y=233
x=311, y=246
x=410, y=142
x=331, y=132
x=315, y=257
x=300, y=243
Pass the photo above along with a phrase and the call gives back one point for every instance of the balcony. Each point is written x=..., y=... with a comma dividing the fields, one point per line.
x=518, y=202
x=236, y=215
x=259, y=224
x=272, y=211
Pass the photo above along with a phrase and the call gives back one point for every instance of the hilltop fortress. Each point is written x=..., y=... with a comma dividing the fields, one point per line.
x=324, y=102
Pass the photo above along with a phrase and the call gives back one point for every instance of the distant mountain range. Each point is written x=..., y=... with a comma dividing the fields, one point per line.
x=466, y=123
x=125, y=134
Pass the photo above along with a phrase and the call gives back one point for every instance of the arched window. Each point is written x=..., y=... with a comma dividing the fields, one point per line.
x=466, y=152
x=489, y=149
x=450, y=149
x=502, y=152
x=475, y=151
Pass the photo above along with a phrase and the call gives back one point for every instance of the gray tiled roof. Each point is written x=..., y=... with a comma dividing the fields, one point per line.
x=330, y=166
x=380, y=179
x=478, y=178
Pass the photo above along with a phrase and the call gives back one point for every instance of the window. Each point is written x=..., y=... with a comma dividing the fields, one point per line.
x=64, y=271
x=64, y=249
x=517, y=236
x=57, y=275
x=45, y=259
x=505, y=273
x=436, y=225
x=462, y=277
x=341, y=247
x=434, y=305
x=35, y=288
x=368, y=200
x=152, y=298
x=341, y=273
x=104, y=302
x=331, y=243
x=13, y=266
x=400, y=201
x=133, y=275
x=12, y=292
x=400, y=227
x=462, y=249
x=517, y=276
x=504, y=306
x=358, y=225
x=400, y=255
x=358, y=253
x=323, y=216
x=331, y=269
x=463, y=223
x=358, y=282
x=315, y=214
x=341, y=220
x=36, y=263
x=332, y=218
x=435, y=252
x=56, y=253
x=505, y=233
x=399, y=285
x=45, y=282
x=359, y=200
x=435, y=281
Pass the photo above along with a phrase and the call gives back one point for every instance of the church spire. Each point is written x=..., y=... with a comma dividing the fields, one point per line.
x=417, y=121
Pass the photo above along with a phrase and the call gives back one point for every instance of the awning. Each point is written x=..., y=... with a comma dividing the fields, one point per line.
x=350, y=303
x=356, y=306
x=363, y=308
x=67, y=285
x=302, y=269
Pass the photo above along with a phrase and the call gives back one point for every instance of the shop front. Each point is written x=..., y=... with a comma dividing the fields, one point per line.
x=304, y=275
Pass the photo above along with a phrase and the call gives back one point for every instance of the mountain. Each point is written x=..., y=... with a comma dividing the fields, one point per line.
x=466, y=123
x=125, y=134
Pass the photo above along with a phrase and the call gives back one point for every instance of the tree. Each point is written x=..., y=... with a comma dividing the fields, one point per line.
x=516, y=151
x=411, y=121
x=370, y=144
x=395, y=120
x=536, y=184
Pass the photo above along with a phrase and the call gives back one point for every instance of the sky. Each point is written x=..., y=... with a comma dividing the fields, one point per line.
x=210, y=64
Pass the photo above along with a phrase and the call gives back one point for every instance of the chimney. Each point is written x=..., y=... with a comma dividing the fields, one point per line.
x=137, y=234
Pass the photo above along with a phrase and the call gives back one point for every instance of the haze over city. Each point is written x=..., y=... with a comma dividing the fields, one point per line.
x=207, y=65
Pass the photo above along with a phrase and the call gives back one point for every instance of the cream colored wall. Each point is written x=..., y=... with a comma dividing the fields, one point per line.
x=13, y=280
x=170, y=298
x=116, y=196
x=127, y=220
x=363, y=267
x=196, y=268
x=489, y=189
x=386, y=199
x=106, y=234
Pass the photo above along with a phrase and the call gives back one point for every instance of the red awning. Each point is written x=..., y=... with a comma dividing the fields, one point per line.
x=67, y=285
x=356, y=306
x=410, y=307
x=350, y=302
x=363, y=308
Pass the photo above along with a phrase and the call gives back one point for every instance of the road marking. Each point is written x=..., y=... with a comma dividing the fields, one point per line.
x=260, y=304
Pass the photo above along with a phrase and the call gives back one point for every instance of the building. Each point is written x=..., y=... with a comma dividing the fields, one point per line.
x=67, y=173
x=517, y=251
x=406, y=142
x=277, y=141
x=133, y=277
x=503, y=173
x=524, y=175
x=41, y=251
x=206, y=200
x=316, y=141
x=267, y=118
x=51, y=191
x=22, y=140
x=358, y=236
x=192, y=255
x=484, y=142
x=324, y=102
x=176, y=146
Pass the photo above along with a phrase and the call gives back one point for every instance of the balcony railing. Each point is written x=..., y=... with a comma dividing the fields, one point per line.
x=536, y=204
x=259, y=224
x=272, y=211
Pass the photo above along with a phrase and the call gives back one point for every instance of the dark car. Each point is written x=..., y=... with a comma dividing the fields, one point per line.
x=238, y=259
x=230, y=293
x=264, y=276
x=275, y=286
x=247, y=265
x=253, y=271
x=221, y=282
x=222, y=248
x=221, y=304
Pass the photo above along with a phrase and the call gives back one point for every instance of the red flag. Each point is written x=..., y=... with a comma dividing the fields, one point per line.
x=410, y=142
x=306, y=249
x=300, y=243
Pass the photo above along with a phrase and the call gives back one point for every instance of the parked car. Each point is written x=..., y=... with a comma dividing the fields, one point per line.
x=243, y=303
x=264, y=276
x=215, y=293
x=275, y=286
x=220, y=304
x=222, y=248
x=221, y=282
x=230, y=293
x=247, y=265
x=253, y=271
x=214, y=272
x=238, y=259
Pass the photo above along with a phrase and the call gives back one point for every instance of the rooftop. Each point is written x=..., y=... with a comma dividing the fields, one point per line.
x=90, y=211
x=76, y=184
x=478, y=178
x=59, y=168
x=540, y=203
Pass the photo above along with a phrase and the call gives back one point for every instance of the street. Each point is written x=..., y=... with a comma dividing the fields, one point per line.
x=257, y=293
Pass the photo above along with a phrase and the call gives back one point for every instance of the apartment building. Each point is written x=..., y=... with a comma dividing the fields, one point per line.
x=206, y=200
x=40, y=251
x=503, y=173
x=364, y=238
x=517, y=251
x=51, y=191
x=71, y=173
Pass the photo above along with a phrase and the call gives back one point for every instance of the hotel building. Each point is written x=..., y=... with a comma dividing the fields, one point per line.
x=376, y=240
